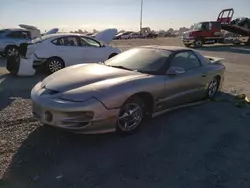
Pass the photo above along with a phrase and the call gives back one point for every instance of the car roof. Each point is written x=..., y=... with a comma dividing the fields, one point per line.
x=169, y=48
x=66, y=34
x=13, y=29
x=58, y=35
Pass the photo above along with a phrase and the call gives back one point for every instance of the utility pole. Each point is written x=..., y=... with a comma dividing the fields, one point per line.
x=141, y=17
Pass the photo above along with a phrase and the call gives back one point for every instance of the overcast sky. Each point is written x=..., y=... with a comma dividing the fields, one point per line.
x=122, y=14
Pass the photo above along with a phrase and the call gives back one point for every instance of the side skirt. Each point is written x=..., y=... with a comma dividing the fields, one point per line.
x=179, y=107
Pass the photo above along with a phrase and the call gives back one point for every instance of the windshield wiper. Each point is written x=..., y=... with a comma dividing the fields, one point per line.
x=120, y=67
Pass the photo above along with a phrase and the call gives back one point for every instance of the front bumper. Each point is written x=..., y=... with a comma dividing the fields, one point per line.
x=187, y=41
x=72, y=115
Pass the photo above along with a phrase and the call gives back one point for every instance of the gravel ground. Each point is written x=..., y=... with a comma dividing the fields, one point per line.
x=202, y=146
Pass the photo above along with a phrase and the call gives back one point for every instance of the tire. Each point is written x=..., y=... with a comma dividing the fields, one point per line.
x=198, y=43
x=112, y=55
x=54, y=64
x=213, y=87
x=127, y=122
x=11, y=51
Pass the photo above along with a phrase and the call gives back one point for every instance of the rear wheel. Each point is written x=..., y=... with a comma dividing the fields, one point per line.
x=11, y=51
x=131, y=116
x=53, y=65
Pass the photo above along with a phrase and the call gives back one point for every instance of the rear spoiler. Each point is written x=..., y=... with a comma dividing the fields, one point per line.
x=214, y=59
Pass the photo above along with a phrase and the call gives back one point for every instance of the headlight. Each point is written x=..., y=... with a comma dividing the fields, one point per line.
x=186, y=35
x=74, y=99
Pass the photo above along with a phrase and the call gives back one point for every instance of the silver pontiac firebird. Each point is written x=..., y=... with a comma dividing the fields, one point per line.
x=120, y=93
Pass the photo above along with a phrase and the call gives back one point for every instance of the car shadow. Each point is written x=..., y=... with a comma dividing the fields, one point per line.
x=12, y=87
x=227, y=48
x=170, y=150
x=2, y=62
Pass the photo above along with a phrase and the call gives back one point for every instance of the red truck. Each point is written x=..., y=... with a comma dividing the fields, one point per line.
x=209, y=32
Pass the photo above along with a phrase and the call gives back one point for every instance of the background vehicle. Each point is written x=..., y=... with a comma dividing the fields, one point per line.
x=10, y=39
x=136, y=84
x=211, y=32
x=147, y=33
x=134, y=35
x=56, y=51
x=118, y=36
x=126, y=35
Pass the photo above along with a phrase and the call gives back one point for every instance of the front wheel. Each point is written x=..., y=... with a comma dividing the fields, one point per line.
x=131, y=116
x=53, y=65
x=213, y=87
x=198, y=43
x=12, y=51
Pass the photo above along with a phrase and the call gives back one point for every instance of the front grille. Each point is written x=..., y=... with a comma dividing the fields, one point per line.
x=77, y=119
x=77, y=125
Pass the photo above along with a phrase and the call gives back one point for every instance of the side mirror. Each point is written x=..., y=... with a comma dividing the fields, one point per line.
x=175, y=71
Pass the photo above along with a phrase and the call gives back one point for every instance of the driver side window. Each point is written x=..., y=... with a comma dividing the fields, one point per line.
x=66, y=41
x=185, y=60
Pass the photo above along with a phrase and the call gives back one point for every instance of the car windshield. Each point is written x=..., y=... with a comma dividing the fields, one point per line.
x=146, y=60
x=198, y=26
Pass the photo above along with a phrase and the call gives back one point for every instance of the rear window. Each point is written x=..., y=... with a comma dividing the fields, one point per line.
x=204, y=61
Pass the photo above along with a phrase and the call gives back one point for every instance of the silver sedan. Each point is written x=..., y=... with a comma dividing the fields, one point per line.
x=120, y=93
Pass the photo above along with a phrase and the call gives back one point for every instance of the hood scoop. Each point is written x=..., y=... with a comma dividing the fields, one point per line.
x=46, y=91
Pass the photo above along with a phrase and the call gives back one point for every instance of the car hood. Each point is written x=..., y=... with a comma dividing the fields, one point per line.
x=106, y=35
x=87, y=77
x=190, y=31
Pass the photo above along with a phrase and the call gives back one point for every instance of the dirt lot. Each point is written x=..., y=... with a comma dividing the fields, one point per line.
x=202, y=146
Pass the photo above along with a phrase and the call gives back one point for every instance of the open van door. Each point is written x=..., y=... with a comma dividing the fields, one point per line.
x=34, y=31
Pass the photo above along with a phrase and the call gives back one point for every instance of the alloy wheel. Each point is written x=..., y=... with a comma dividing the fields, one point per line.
x=130, y=117
x=55, y=65
x=12, y=52
x=213, y=87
